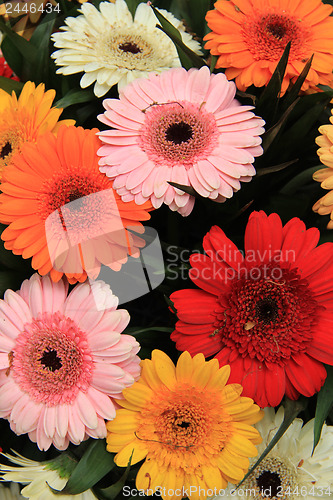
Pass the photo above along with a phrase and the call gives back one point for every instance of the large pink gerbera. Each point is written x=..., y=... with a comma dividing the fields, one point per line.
x=62, y=360
x=180, y=126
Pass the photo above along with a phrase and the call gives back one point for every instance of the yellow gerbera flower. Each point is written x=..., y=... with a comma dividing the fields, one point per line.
x=23, y=119
x=194, y=430
x=324, y=206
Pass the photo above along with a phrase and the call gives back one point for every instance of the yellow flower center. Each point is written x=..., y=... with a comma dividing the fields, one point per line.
x=185, y=428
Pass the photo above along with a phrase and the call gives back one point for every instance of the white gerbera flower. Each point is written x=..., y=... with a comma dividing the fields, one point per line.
x=111, y=47
x=289, y=472
x=38, y=476
x=10, y=493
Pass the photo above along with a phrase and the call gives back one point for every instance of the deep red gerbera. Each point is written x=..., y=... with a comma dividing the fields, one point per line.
x=267, y=313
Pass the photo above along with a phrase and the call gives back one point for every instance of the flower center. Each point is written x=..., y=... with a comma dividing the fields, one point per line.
x=130, y=47
x=133, y=49
x=6, y=150
x=174, y=422
x=51, y=360
x=268, y=318
x=269, y=483
x=273, y=478
x=178, y=133
x=10, y=142
x=267, y=36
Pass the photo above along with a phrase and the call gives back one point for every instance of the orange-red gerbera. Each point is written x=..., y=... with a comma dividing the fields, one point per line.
x=193, y=429
x=249, y=37
x=62, y=211
x=25, y=118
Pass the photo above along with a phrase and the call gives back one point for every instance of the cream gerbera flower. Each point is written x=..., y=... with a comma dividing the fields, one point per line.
x=11, y=493
x=38, y=476
x=289, y=472
x=111, y=47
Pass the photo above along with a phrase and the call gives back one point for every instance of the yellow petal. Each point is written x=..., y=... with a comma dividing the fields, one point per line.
x=124, y=422
x=212, y=477
x=220, y=378
x=165, y=368
x=119, y=440
x=231, y=394
x=138, y=394
x=184, y=368
x=205, y=372
x=246, y=430
x=229, y=468
x=139, y=453
x=149, y=374
x=242, y=446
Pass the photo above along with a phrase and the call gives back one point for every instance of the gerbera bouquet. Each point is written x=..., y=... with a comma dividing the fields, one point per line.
x=166, y=309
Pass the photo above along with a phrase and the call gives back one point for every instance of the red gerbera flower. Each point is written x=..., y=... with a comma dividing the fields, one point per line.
x=267, y=313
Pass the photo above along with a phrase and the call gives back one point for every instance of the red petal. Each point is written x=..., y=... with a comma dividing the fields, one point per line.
x=263, y=235
x=219, y=248
x=306, y=374
x=194, y=306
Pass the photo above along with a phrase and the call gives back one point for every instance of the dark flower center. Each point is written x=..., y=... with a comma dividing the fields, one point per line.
x=277, y=29
x=179, y=132
x=267, y=310
x=268, y=318
x=129, y=47
x=50, y=360
x=184, y=424
x=269, y=483
x=6, y=150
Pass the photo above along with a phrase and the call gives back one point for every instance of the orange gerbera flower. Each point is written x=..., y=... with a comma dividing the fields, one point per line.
x=63, y=212
x=25, y=118
x=249, y=37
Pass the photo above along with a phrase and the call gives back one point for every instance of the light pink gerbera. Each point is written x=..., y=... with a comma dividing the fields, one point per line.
x=180, y=126
x=62, y=360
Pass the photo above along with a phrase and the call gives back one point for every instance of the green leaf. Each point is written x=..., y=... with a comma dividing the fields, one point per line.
x=170, y=304
x=187, y=57
x=275, y=168
x=75, y=96
x=268, y=101
x=271, y=134
x=299, y=180
x=186, y=189
x=41, y=40
x=93, y=466
x=26, y=49
x=294, y=91
x=291, y=410
x=324, y=405
x=213, y=62
x=198, y=10
x=9, y=85
x=12, y=55
x=112, y=491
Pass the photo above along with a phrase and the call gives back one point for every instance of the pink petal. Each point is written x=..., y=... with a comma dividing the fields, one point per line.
x=86, y=410
x=102, y=403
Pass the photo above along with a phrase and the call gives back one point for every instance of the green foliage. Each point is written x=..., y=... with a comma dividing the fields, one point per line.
x=324, y=405
x=188, y=58
x=93, y=466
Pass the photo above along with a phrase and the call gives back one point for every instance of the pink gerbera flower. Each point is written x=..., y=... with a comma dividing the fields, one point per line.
x=62, y=360
x=180, y=126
